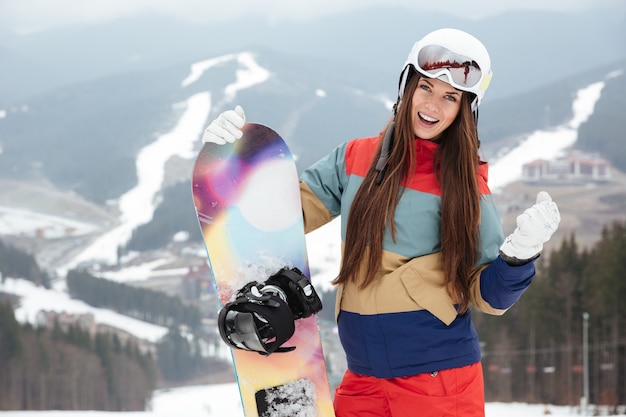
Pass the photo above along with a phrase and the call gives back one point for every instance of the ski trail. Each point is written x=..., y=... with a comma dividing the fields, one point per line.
x=137, y=205
x=545, y=144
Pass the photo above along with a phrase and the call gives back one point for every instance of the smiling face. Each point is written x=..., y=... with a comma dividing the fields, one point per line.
x=435, y=105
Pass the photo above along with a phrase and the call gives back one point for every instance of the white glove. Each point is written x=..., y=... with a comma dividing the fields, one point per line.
x=226, y=128
x=535, y=226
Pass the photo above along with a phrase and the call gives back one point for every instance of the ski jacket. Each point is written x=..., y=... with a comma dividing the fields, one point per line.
x=405, y=322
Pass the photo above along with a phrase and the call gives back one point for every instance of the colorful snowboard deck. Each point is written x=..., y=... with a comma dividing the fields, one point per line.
x=248, y=204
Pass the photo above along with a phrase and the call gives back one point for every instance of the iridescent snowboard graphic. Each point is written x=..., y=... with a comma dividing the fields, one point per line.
x=248, y=204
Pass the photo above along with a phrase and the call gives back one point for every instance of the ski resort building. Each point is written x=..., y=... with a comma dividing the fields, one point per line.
x=575, y=168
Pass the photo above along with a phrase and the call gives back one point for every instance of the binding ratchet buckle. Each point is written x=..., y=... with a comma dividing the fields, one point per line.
x=263, y=315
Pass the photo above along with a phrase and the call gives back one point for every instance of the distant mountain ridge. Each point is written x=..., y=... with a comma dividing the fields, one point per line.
x=528, y=48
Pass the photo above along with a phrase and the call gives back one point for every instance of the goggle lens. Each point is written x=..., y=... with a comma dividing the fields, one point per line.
x=462, y=72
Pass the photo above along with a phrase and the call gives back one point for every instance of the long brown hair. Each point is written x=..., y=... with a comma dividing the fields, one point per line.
x=373, y=208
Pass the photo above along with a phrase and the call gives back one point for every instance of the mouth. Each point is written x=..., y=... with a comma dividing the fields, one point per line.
x=427, y=119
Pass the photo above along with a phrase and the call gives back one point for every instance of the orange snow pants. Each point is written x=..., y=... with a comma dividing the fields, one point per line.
x=457, y=392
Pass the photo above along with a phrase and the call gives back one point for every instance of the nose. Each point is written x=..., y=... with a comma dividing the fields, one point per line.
x=431, y=105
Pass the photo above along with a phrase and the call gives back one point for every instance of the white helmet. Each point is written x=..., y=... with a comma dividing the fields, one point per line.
x=453, y=56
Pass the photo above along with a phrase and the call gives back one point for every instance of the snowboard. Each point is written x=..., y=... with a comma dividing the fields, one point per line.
x=248, y=205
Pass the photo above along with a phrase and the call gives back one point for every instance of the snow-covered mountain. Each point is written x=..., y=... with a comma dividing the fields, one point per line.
x=56, y=138
x=99, y=242
x=253, y=82
x=530, y=48
x=84, y=165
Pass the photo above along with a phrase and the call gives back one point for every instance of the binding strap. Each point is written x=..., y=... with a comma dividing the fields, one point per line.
x=257, y=322
x=262, y=316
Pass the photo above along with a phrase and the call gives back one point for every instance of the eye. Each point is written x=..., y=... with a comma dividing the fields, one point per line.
x=424, y=86
x=450, y=97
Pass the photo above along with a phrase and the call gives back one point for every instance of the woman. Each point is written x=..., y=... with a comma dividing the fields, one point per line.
x=422, y=240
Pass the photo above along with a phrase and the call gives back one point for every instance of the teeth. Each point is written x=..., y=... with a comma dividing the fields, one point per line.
x=428, y=118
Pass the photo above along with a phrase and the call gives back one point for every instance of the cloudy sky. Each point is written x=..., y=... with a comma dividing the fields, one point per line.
x=33, y=15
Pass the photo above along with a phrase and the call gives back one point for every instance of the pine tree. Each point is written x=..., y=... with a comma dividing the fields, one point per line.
x=10, y=334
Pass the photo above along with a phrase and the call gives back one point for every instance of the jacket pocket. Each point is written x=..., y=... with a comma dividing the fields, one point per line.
x=424, y=282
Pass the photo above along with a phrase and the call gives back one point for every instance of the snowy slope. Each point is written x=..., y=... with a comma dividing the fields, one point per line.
x=34, y=299
x=223, y=401
x=547, y=144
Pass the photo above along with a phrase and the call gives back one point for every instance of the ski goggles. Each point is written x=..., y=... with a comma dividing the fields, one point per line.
x=461, y=71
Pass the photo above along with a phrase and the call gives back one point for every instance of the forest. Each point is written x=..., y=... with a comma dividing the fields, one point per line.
x=70, y=370
x=17, y=263
x=67, y=367
x=535, y=353
x=144, y=304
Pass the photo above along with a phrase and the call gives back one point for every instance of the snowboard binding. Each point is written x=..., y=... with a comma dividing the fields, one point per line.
x=263, y=315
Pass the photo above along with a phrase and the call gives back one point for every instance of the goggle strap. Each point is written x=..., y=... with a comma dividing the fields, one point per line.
x=385, y=151
x=403, y=79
